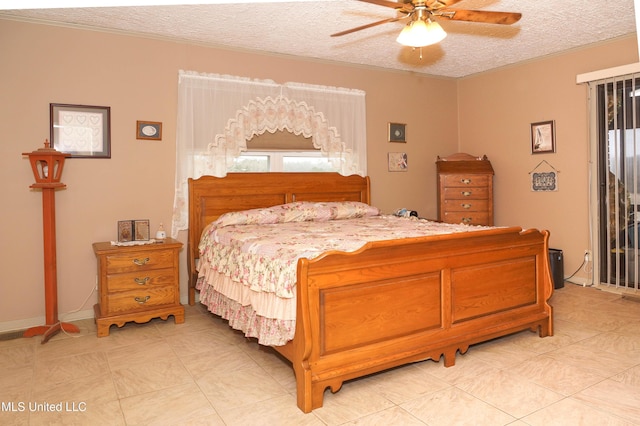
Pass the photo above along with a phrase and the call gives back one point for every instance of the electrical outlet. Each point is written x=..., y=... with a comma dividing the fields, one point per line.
x=587, y=255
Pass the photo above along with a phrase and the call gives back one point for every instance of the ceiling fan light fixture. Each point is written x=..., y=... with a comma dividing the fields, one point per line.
x=420, y=33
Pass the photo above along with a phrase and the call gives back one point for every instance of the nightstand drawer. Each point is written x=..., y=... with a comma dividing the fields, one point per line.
x=128, y=301
x=140, y=280
x=140, y=260
x=465, y=180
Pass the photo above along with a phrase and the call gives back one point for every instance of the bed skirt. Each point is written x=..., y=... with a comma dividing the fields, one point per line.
x=243, y=317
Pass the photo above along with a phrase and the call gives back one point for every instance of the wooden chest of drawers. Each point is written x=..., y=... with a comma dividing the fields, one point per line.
x=137, y=283
x=465, y=189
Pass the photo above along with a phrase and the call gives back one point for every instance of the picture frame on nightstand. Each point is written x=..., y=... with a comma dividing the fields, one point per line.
x=125, y=231
x=133, y=230
x=141, y=228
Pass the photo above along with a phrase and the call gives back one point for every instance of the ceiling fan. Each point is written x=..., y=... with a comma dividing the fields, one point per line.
x=422, y=30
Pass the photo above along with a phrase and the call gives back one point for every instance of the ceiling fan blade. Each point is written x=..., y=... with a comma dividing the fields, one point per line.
x=373, y=24
x=392, y=4
x=504, y=18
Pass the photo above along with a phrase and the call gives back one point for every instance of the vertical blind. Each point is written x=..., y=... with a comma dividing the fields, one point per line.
x=618, y=170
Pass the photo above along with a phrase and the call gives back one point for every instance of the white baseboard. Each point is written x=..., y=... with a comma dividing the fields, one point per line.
x=23, y=324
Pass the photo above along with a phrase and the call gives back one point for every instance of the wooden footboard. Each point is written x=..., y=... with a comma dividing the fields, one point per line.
x=396, y=302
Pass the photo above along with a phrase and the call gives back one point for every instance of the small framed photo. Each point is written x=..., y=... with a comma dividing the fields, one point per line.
x=141, y=230
x=125, y=231
x=398, y=162
x=397, y=132
x=543, y=137
x=133, y=230
x=81, y=130
x=151, y=130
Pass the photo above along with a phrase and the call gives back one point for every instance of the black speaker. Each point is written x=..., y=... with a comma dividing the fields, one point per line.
x=557, y=267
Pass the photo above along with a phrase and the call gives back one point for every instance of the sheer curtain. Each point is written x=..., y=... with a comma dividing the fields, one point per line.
x=217, y=114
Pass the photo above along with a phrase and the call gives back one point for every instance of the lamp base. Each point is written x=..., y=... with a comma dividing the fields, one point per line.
x=48, y=331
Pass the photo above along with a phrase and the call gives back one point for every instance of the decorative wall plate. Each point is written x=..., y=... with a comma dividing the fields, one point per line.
x=149, y=130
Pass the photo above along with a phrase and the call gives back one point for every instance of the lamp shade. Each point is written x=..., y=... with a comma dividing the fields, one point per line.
x=47, y=164
x=420, y=33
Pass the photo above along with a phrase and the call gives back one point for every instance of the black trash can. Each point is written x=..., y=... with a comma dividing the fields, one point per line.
x=557, y=267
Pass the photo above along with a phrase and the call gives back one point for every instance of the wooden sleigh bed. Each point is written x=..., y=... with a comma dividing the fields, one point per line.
x=391, y=302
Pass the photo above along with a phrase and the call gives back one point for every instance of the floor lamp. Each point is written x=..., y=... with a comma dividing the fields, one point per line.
x=46, y=164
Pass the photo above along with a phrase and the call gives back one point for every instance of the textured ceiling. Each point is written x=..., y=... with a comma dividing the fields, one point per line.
x=303, y=28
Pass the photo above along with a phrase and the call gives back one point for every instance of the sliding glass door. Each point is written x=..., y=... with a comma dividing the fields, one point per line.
x=618, y=131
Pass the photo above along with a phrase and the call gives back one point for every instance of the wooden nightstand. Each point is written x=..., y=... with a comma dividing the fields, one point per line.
x=137, y=283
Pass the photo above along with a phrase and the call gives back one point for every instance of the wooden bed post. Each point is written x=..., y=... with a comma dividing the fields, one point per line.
x=302, y=343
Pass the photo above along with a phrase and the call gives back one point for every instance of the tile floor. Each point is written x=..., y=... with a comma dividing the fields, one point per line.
x=203, y=373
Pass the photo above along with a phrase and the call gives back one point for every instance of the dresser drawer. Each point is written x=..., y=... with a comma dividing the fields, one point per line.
x=139, y=280
x=465, y=205
x=465, y=180
x=472, y=193
x=468, y=218
x=135, y=300
x=138, y=261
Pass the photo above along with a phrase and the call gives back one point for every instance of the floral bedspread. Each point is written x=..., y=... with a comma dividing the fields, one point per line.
x=259, y=250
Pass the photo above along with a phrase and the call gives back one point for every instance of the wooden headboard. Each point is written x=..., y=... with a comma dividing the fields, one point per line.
x=210, y=197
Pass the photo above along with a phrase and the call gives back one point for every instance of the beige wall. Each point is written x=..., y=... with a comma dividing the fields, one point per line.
x=137, y=78
x=496, y=110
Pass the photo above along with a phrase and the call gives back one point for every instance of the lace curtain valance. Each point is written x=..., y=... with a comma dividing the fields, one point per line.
x=218, y=114
x=273, y=115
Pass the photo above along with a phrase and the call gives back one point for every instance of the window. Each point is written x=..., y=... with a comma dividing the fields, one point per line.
x=283, y=161
x=282, y=152
x=217, y=114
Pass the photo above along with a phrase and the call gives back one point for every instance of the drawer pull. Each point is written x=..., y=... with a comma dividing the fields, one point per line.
x=141, y=262
x=465, y=181
x=142, y=281
x=466, y=220
x=466, y=206
x=142, y=300
x=466, y=193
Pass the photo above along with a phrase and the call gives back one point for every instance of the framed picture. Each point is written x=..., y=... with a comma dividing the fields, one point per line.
x=81, y=130
x=543, y=137
x=133, y=230
x=141, y=230
x=544, y=181
x=397, y=132
x=398, y=162
x=125, y=231
x=151, y=130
